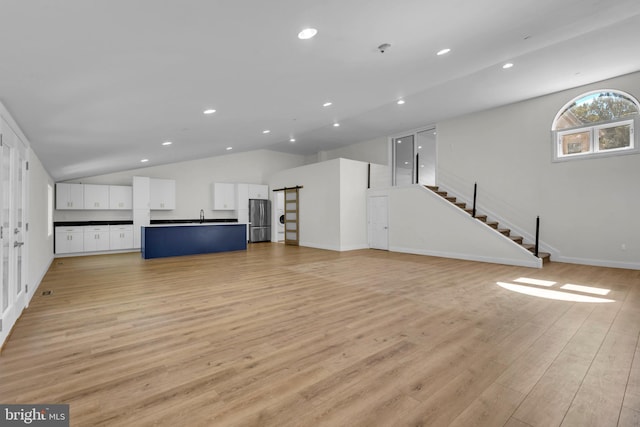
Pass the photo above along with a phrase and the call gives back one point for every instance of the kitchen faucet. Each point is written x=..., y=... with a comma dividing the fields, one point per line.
x=201, y=216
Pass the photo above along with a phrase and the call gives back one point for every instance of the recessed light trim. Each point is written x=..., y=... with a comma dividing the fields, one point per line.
x=507, y=65
x=400, y=101
x=307, y=33
x=209, y=111
x=167, y=143
x=229, y=148
x=327, y=104
x=336, y=125
x=443, y=51
x=266, y=131
x=292, y=140
x=144, y=160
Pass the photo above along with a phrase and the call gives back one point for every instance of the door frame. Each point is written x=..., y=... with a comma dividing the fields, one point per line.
x=416, y=150
x=14, y=232
x=370, y=227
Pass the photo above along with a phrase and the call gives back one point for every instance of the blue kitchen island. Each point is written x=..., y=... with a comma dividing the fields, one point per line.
x=166, y=240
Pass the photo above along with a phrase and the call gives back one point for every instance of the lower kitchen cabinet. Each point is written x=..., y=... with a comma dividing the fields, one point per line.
x=120, y=237
x=69, y=240
x=96, y=238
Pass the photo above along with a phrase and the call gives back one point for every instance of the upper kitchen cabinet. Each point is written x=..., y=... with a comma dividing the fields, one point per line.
x=141, y=195
x=120, y=197
x=223, y=196
x=69, y=196
x=96, y=196
x=162, y=194
x=258, y=191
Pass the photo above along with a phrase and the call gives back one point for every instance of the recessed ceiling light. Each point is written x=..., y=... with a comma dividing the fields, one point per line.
x=443, y=52
x=229, y=148
x=326, y=104
x=507, y=65
x=335, y=125
x=307, y=33
x=144, y=160
x=266, y=131
x=292, y=140
x=406, y=163
x=209, y=111
x=400, y=101
x=167, y=143
x=419, y=147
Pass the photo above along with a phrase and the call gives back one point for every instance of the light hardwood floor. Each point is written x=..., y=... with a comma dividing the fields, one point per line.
x=287, y=336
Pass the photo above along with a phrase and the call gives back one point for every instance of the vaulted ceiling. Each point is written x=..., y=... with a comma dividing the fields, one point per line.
x=97, y=86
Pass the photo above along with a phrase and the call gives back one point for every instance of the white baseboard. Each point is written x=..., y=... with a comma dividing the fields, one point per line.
x=597, y=262
x=33, y=287
x=122, y=251
x=534, y=263
x=335, y=247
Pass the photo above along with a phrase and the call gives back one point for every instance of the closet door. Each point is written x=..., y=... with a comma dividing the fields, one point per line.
x=291, y=220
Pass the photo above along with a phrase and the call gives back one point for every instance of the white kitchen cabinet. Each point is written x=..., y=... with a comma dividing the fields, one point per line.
x=141, y=217
x=162, y=194
x=223, y=196
x=120, y=237
x=96, y=196
x=242, y=197
x=258, y=191
x=69, y=196
x=96, y=238
x=120, y=197
x=141, y=192
x=69, y=240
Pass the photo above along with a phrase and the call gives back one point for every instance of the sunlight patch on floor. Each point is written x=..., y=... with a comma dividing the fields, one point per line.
x=553, y=294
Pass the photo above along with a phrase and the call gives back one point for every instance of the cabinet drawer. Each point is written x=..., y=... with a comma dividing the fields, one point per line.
x=96, y=228
x=72, y=229
x=121, y=227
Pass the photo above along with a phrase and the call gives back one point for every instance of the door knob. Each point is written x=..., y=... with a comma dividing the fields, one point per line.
x=16, y=244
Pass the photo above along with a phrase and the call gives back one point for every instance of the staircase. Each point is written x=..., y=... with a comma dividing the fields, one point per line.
x=546, y=257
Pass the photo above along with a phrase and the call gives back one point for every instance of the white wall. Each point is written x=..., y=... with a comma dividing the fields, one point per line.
x=421, y=222
x=353, y=205
x=373, y=151
x=40, y=243
x=332, y=203
x=193, y=179
x=319, y=204
x=588, y=208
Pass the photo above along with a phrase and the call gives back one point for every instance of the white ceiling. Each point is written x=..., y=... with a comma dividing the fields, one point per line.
x=98, y=85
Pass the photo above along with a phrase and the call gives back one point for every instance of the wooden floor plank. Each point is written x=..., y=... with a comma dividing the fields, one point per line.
x=290, y=336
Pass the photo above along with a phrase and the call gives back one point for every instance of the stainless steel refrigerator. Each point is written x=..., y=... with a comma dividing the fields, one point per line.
x=260, y=220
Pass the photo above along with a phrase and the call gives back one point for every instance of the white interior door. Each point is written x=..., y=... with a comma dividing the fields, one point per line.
x=379, y=222
x=13, y=176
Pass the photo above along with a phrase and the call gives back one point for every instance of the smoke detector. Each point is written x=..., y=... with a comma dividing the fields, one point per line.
x=384, y=47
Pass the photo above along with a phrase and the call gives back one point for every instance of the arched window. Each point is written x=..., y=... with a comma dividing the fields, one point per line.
x=596, y=123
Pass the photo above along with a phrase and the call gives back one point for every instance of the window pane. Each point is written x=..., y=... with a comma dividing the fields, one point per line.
x=404, y=160
x=575, y=143
x=614, y=137
x=596, y=107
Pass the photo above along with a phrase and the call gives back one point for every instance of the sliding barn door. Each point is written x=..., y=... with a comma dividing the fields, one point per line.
x=291, y=223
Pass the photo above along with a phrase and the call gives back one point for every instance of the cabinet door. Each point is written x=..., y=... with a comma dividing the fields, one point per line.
x=121, y=237
x=141, y=192
x=96, y=196
x=141, y=218
x=96, y=238
x=69, y=240
x=242, y=197
x=120, y=197
x=223, y=196
x=69, y=196
x=258, y=191
x=162, y=194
